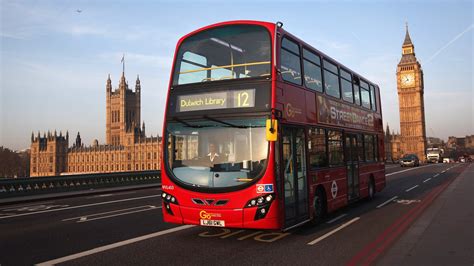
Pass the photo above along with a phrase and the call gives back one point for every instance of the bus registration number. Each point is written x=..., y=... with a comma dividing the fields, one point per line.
x=218, y=223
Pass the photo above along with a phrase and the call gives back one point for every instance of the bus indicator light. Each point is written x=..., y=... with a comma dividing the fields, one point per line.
x=272, y=129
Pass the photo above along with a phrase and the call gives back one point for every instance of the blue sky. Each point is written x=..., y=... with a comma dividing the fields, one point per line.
x=55, y=61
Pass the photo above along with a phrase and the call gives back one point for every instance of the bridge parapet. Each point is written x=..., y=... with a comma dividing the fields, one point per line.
x=55, y=184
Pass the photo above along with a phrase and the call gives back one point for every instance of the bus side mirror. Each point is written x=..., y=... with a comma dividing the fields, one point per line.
x=272, y=129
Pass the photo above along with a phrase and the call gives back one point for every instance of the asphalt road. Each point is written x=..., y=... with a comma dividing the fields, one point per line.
x=126, y=228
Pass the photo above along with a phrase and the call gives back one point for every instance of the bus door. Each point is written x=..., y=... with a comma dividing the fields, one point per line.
x=352, y=165
x=294, y=175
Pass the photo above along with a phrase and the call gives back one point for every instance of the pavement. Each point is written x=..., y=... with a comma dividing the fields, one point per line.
x=444, y=233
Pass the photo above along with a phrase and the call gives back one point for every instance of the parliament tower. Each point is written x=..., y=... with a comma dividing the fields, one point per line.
x=410, y=88
x=122, y=111
x=127, y=148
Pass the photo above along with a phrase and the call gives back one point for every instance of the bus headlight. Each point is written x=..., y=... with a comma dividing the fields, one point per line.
x=168, y=199
x=262, y=203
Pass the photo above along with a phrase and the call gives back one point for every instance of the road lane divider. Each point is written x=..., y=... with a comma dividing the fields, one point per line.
x=333, y=231
x=371, y=251
x=110, y=214
x=410, y=189
x=86, y=219
x=426, y=180
x=411, y=169
x=436, y=175
x=15, y=207
x=80, y=206
x=114, y=245
x=386, y=202
x=337, y=218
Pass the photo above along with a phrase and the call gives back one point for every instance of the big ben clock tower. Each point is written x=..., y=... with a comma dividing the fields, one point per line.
x=410, y=96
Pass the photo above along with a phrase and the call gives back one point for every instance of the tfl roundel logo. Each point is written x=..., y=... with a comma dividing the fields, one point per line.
x=264, y=188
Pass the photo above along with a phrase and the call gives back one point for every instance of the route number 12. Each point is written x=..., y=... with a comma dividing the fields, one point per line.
x=244, y=98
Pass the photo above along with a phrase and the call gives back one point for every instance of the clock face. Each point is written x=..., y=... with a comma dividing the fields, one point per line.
x=407, y=80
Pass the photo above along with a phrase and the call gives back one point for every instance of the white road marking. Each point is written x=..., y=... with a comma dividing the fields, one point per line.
x=112, y=194
x=407, y=202
x=411, y=188
x=114, y=245
x=80, y=206
x=387, y=202
x=110, y=212
x=443, y=171
x=414, y=168
x=333, y=231
x=119, y=214
x=436, y=175
x=337, y=218
x=22, y=206
x=34, y=208
x=426, y=180
x=100, y=196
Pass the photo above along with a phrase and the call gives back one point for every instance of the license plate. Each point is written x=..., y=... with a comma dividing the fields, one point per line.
x=218, y=223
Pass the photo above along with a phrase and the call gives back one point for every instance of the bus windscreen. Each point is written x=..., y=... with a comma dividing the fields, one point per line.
x=228, y=52
x=214, y=153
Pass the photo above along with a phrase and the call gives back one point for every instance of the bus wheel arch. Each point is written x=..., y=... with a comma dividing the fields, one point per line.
x=371, y=187
x=320, y=205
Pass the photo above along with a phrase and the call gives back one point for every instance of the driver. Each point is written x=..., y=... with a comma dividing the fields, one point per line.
x=213, y=156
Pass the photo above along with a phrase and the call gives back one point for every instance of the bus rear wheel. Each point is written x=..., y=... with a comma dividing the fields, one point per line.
x=319, y=203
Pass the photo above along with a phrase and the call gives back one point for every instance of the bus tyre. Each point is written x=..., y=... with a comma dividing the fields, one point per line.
x=319, y=203
x=371, y=189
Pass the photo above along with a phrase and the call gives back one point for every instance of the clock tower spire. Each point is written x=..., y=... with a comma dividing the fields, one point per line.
x=410, y=89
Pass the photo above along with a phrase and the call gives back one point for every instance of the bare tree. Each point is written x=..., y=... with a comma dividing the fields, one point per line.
x=14, y=164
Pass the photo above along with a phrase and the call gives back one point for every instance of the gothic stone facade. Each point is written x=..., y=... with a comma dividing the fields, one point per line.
x=48, y=154
x=412, y=107
x=393, y=144
x=126, y=149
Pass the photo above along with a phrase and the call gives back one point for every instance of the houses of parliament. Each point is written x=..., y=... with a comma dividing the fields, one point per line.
x=127, y=148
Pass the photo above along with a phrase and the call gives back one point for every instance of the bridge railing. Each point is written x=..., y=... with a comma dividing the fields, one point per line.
x=18, y=187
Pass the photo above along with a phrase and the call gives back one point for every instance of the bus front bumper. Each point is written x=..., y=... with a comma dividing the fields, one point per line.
x=233, y=218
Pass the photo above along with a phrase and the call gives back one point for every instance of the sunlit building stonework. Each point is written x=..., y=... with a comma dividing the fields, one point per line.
x=127, y=148
x=393, y=151
x=411, y=102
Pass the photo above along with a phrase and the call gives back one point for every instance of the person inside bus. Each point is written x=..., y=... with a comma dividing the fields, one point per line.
x=213, y=157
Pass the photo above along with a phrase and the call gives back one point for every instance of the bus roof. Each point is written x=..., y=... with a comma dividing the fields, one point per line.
x=271, y=27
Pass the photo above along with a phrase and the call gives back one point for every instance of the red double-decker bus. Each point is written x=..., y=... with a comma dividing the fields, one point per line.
x=262, y=130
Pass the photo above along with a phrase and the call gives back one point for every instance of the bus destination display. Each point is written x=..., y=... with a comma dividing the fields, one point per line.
x=216, y=100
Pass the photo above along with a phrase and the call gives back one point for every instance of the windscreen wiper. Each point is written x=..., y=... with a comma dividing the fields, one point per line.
x=224, y=122
x=186, y=123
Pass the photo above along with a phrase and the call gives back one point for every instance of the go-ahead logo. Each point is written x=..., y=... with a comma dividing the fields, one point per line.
x=207, y=215
x=291, y=111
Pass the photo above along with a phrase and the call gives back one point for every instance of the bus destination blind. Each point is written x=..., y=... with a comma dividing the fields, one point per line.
x=216, y=100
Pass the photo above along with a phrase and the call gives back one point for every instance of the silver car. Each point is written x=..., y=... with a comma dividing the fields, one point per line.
x=410, y=160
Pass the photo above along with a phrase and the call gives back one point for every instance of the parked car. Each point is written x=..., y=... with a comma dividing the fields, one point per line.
x=410, y=160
